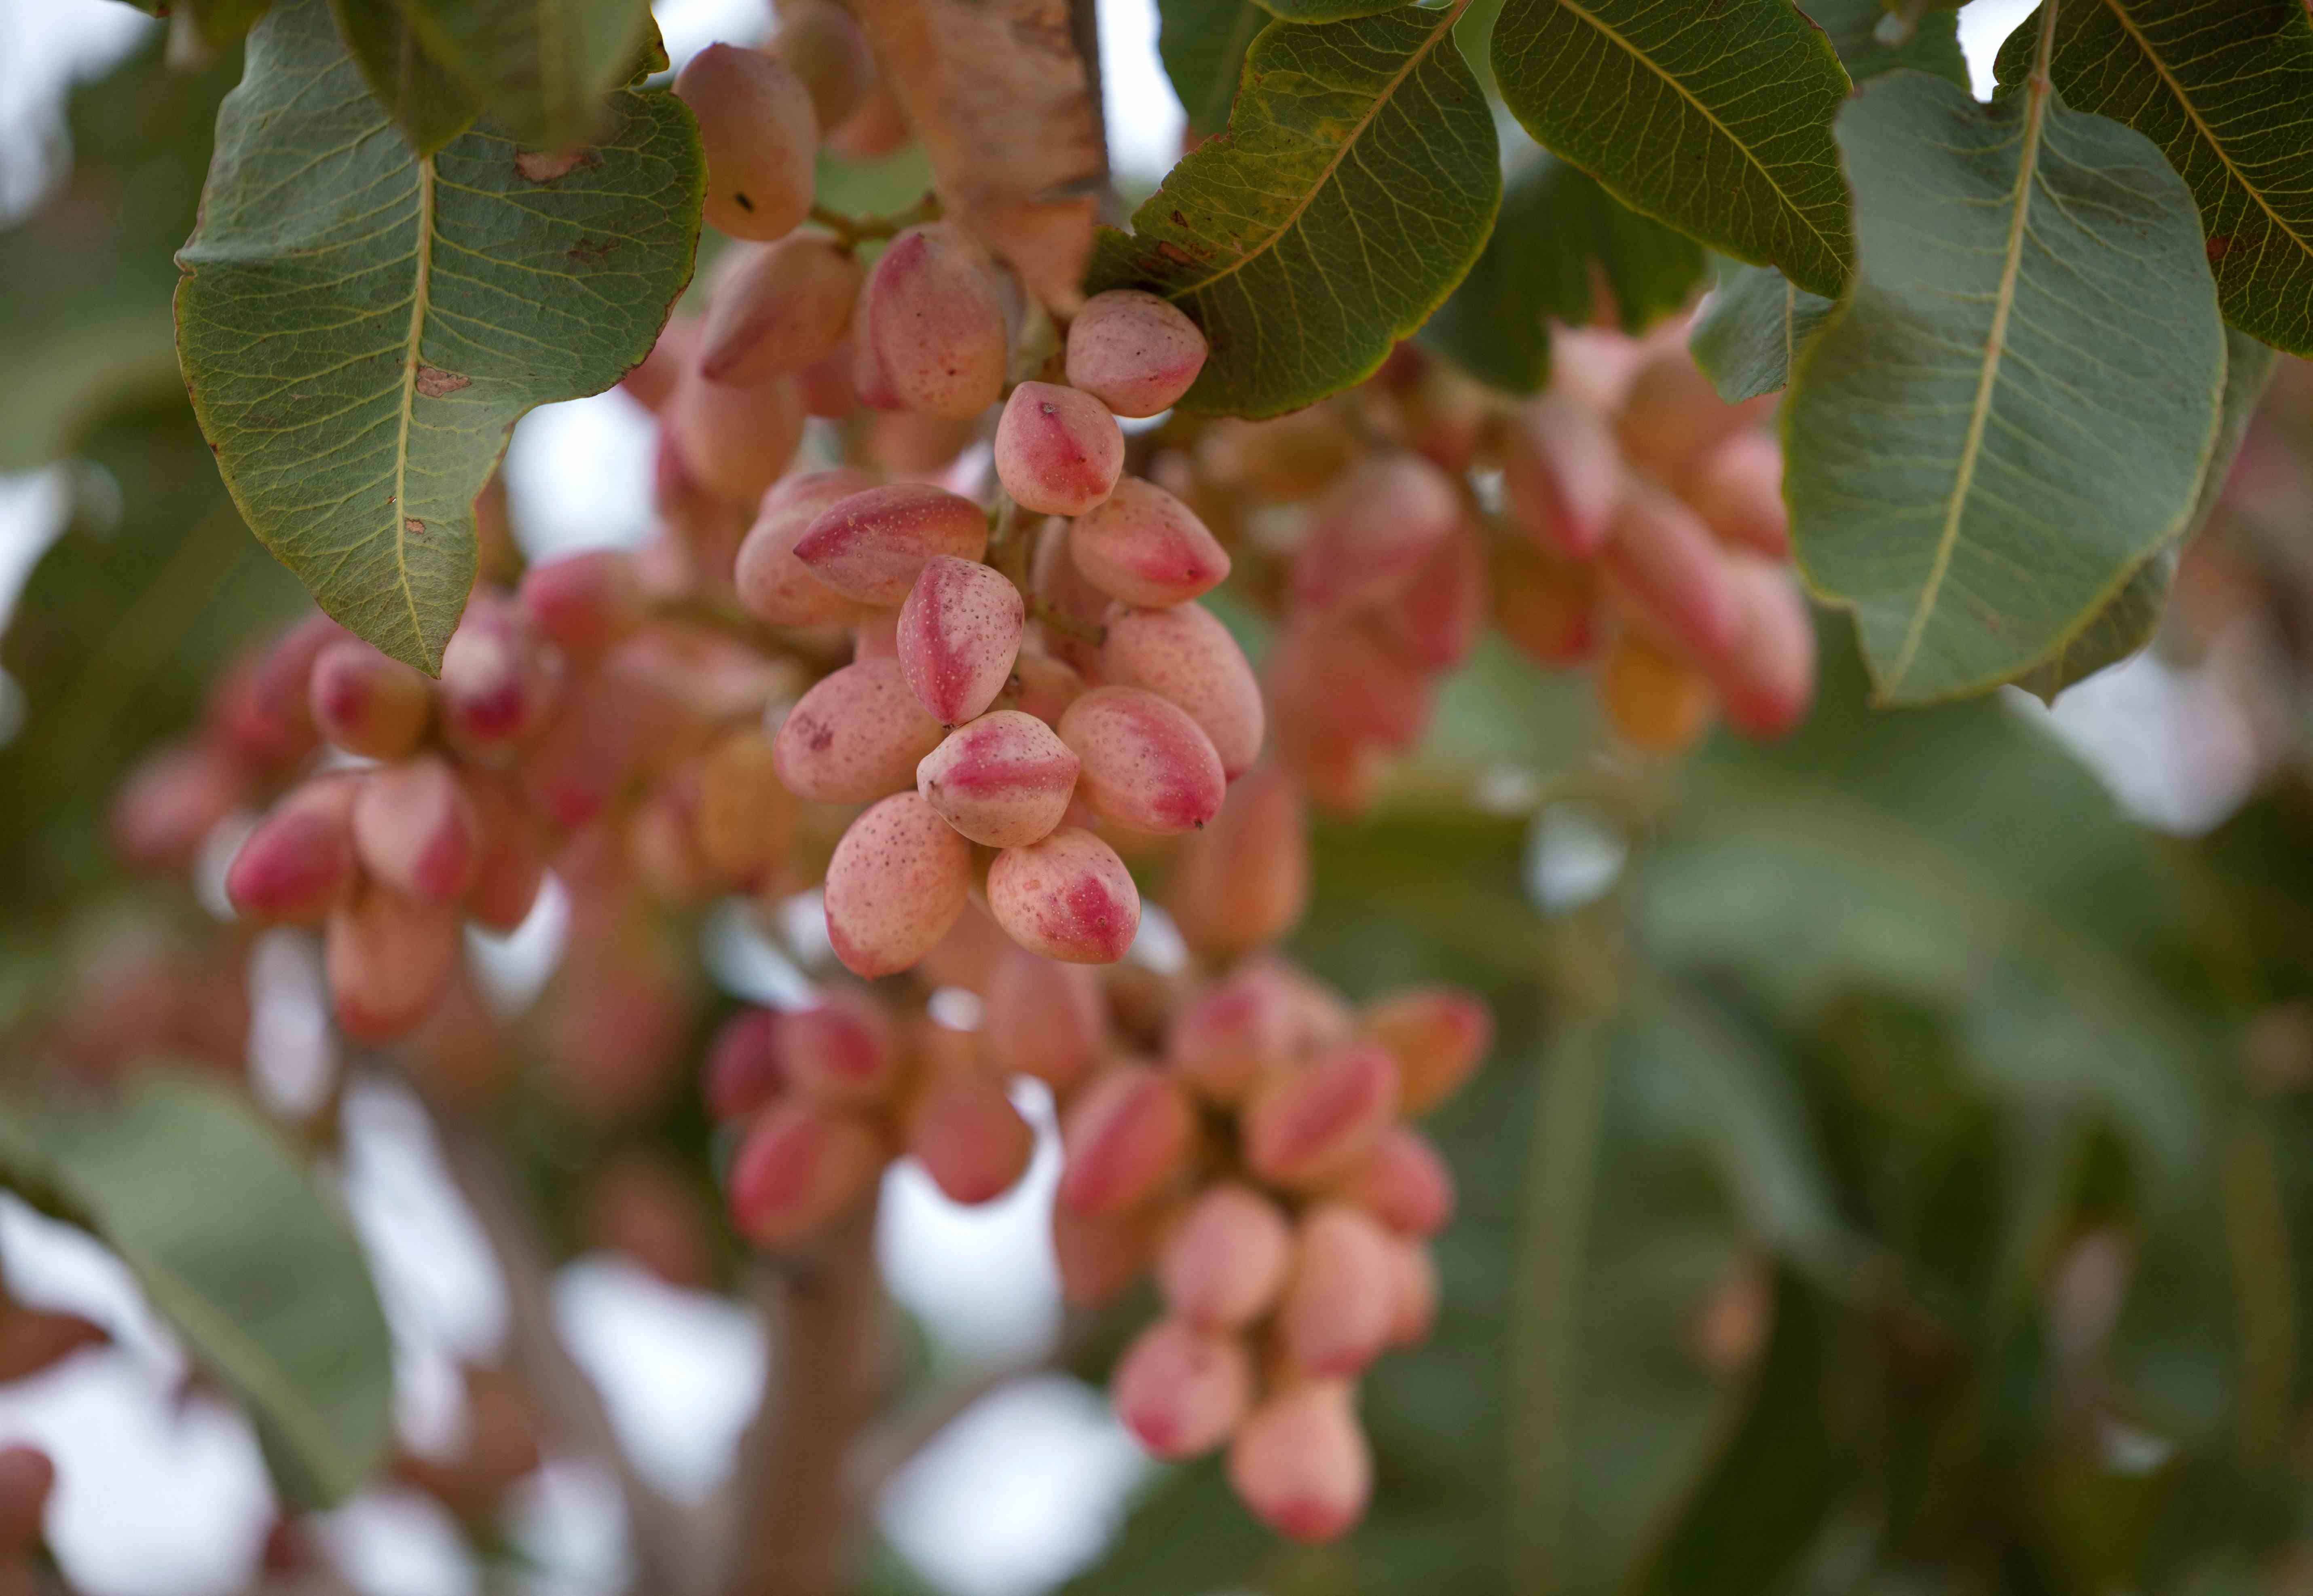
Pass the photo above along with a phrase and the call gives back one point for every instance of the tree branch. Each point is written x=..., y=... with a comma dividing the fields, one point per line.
x=1083, y=32
x=888, y=1448
x=798, y=1511
x=669, y=1558
x=895, y=1440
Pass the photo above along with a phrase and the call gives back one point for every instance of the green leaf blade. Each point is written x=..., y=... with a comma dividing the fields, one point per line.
x=2128, y=623
x=1777, y=1475
x=1557, y=226
x=1756, y=322
x=541, y=69
x=1203, y=44
x=149, y=591
x=1853, y=27
x=84, y=321
x=1959, y=858
x=1753, y=329
x=1327, y=11
x=428, y=101
x=361, y=330
x=2115, y=632
x=2222, y=86
x=1721, y=129
x=235, y=1246
x=1355, y=187
x=1989, y=437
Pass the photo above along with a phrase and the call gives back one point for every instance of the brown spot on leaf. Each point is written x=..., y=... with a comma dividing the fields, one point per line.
x=413, y=526
x=2219, y=246
x=433, y=382
x=544, y=166
x=591, y=251
x=1175, y=253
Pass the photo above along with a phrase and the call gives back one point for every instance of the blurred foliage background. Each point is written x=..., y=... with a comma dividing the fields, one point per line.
x=1896, y=1172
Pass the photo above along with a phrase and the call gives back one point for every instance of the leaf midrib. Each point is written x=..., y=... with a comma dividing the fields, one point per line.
x=1725, y=132
x=419, y=303
x=2039, y=92
x=220, y=1337
x=2208, y=134
x=1444, y=29
x=232, y=1348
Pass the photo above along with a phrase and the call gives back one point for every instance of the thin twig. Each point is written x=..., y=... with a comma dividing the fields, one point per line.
x=1011, y=540
x=1068, y=625
x=895, y=1444
x=851, y=230
x=799, y=1514
x=896, y=1441
x=668, y=1557
x=1084, y=32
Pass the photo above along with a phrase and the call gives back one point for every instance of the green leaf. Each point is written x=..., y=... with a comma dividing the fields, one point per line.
x=1778, y=1474
x=1204, y=43
x=2115, y=632
x=1187, y=1531
x=85, y=279
x=1959, y=859
x=1994, y=433
x=1559, y=236
x=1754, y=325
x=2222, y=86
x=428, y=101
x=2128, y=623
x=1719, y=126
x=360, y=327
x=1355, y=187
x=151, y=588
x=1626, y=1231
x=2249, y=365
x=1756, y=320
x=1327, y=11
x=1729, y=1090
x=1854, y=26
x=235, y=1246
x=541, y=69
x=215, y=23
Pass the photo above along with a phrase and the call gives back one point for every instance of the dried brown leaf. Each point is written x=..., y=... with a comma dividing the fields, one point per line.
x=1001, y=100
